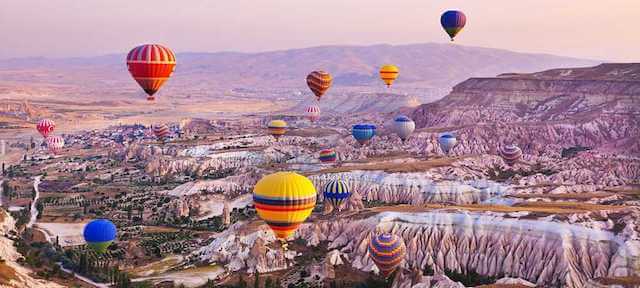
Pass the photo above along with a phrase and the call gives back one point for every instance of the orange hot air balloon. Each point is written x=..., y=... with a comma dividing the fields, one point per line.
x=284, y=200
x=389, y=73
x=319, y=82
x=151, y=65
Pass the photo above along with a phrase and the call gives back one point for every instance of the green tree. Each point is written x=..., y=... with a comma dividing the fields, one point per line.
x=242, y=283
x=268, y=283
x=256, y=282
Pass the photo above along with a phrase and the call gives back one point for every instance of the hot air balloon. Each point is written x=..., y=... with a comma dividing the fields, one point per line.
x=277, y=128
x=45, y=126
x=319, y=82
x=403, y=126
x=336, y=192
x=389, y=73
x=447, y=141
x=312, y=113
x=161, y=131
x=387, y=251
x=284, y=200
x=510, y=154
x=327, y=156
x=151, y=65
x=55, y=144
x=453, y=21
x=363, y=132
x=99, y=234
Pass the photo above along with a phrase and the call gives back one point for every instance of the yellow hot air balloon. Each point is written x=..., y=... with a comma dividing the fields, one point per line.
x=284, y=200
x=277, y=128
x=389, y=73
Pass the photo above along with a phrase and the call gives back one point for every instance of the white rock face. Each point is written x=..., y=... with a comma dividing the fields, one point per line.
x=9, y=254
x=236, y=251
x=545, y=252
x=413, y=188
x=515, y=281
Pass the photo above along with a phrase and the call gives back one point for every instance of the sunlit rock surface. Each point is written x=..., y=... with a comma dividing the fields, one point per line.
x=541, y=251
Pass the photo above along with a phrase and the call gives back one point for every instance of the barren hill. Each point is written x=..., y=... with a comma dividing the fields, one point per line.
x=594, y=107
x=214, y=75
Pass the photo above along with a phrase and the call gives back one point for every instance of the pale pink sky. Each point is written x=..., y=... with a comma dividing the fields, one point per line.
x=582, y=28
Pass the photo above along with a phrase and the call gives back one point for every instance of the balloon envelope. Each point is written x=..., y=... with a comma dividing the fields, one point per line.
x=403, y=126
x=277, y=128
x=447, y=141
x=336, y=192
x=387, y=251
x=510, y=154
x=55, y=144
x=363, y=132
x=284, y=200
x=452, y=22
x=312, y=113
x=389, y=73
x=99, y=234
x=151, y=65
x=161, y=131
x=319, y=82
x=45, y=126
x=328, y=155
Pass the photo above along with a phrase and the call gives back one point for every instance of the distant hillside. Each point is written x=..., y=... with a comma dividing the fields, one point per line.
x=592, y=107
x=603, y=72
x=352, y=103
x=211, y=74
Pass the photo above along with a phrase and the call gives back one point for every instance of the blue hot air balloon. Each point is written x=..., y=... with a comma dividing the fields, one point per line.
x=453, y=21
x=99, y=234
x=336, y=191
x=447, y=141
x=363, y=132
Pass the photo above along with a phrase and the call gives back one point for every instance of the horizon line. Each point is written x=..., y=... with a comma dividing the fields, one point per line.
x=316, y=47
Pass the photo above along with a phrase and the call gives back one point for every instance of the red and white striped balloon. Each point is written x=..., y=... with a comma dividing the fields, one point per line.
x=45, y=126
x=55, y=144
x=161, y=131
x=151, y=65
x=312, y=113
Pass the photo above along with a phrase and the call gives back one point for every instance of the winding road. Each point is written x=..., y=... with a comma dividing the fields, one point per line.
x=1, y=192
x=34, y=211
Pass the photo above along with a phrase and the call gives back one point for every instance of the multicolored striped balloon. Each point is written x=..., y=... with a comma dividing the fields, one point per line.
x=312, y=113
x=277, y=128
x=403, y=126
x=319, y=82
x=389, y=73
x=284, y=200
x=99, y=234
x=510, y=154
x=328, y=155
x=55, y=144
x=45, y=126
x=387, y=251
x=161, y=131
x=363, y=132
x=151, y=65
x=336, y=192
x=452, y=22
x=447, y=141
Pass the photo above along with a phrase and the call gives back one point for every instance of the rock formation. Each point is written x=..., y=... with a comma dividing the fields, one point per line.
x=545, y=252
x=16, y=275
